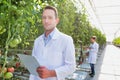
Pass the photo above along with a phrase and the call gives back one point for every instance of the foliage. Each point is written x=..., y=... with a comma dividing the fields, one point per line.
x=24, y=20
x=100, y=37
x=19, y=22
x=21, y=19
x=116, y=41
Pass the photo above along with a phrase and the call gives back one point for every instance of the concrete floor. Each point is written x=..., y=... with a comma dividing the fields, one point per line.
x=108, y=65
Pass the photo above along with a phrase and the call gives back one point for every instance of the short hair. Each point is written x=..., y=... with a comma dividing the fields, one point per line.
x=94, y=37
x=52, y=8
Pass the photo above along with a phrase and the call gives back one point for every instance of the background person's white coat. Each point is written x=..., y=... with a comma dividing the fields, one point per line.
x=93, y=53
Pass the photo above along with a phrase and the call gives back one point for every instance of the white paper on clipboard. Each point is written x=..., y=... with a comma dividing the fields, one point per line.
x=30, y=63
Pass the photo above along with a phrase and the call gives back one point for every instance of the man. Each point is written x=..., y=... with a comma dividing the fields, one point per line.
x=53, y=50
x=93, y=50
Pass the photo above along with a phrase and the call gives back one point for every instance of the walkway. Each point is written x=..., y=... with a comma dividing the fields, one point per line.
x=108, y=65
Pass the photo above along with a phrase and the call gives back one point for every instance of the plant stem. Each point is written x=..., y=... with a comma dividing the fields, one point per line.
x=5, y=62
x=6, y=52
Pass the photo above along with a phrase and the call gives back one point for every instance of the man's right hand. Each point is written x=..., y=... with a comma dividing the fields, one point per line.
x=45, y=73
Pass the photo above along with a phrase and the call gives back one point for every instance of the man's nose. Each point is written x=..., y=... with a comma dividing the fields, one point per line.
x=46, y=20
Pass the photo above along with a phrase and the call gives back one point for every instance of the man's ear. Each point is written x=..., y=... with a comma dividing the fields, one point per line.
x=57, y=20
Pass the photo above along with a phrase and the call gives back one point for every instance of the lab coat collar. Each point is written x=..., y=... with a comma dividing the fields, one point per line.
x=55, y=35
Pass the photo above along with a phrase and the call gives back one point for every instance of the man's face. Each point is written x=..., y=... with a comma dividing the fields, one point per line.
x=92, y=40
x=49, y=20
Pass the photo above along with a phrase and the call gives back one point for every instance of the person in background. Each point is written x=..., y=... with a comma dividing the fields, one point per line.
x=92, y=57
x=53, y=50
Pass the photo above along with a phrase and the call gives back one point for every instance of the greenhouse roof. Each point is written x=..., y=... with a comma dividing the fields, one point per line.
x=108, y=15
x=103, y=14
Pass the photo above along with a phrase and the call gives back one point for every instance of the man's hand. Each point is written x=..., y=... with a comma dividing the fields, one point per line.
x=45, y=73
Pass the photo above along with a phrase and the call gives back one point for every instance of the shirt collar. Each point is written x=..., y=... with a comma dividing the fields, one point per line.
x=50, y=35
x=54, y=34
x=93, y=42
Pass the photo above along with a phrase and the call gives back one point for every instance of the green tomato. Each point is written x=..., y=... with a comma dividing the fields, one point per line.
x=22, y=29
x=4, y=70
x=12, y=45
x=19, y=38
x=8, y=75
x=14, y=42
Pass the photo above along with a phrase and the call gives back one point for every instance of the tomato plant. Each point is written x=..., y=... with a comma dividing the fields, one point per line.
x=18, y=24
x=116, y=41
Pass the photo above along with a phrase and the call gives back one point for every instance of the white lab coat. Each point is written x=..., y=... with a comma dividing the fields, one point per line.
x=93, y=53
x=58, y=55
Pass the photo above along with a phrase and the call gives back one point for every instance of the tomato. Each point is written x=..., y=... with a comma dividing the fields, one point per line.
x=19, y=38
x=4, y=71
x=17, y=64
x=22, y=29
x=8, y=75
x=14, y=42
x=26, y=53
x=80, y=62
x=11, y=69
x=12, y=45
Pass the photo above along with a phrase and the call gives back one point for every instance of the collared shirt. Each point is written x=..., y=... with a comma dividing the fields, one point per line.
x=58, y=55
x=48, y=38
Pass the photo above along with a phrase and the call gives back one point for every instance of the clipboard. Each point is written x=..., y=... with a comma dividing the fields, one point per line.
x=30, y=63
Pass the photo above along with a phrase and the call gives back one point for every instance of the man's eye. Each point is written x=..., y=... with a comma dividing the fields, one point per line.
x=50, y=17
x=46, y=17
x=43, y=17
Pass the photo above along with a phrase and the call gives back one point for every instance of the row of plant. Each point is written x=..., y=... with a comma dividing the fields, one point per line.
x=116, y=41
x=20, y=22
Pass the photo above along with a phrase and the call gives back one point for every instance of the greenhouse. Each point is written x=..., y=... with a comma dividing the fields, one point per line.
x=59, y=39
